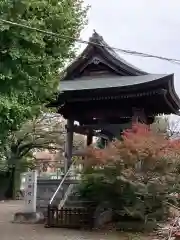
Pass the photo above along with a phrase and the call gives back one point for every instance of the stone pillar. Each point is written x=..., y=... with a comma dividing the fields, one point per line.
x=69, y=144
x=30, y=214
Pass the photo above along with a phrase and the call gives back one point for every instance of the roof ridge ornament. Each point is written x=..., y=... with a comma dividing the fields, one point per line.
x=96, y=60
x=95, y=37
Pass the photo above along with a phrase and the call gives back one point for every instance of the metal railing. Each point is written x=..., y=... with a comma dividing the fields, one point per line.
x=67, y=194
x=72, y=217
x=61, y=183
x=67, y=176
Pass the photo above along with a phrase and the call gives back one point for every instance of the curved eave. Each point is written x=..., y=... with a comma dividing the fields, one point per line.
x=158, y=82
x=119, y=62
x=174, y=99
x=172, y=109
x=115, y=84
x=80, y=60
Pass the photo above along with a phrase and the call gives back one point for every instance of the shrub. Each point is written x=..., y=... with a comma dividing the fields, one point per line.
x=135, y=176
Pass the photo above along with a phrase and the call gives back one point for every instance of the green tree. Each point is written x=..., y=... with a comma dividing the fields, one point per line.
x=30, y=60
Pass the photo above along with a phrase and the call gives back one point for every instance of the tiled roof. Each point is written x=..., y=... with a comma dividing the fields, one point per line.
x=107, y=82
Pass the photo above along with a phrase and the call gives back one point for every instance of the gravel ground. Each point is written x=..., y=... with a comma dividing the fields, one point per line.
x=16, y=231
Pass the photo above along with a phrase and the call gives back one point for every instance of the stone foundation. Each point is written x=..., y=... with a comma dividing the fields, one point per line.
x=32, y=218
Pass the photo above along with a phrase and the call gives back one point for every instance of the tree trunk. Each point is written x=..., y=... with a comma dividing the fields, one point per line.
x=10, y=188
x=13, y=172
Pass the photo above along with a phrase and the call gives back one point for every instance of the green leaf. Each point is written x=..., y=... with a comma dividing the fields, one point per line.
x=30, y=60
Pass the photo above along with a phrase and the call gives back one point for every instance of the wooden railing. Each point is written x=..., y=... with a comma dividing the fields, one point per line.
x=70, y=217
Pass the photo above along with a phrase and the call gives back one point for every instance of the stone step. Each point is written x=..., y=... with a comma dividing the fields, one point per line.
x=73, y=204
x=73, y=198
x=76, y=203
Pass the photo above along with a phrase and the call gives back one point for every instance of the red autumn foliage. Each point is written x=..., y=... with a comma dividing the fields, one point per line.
x=139, y=144
x=142, y=167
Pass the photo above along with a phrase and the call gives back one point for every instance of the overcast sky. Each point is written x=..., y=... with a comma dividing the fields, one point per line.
x=150, y=26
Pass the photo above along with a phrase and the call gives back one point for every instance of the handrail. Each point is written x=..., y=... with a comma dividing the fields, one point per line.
x=61, y=183
x=63, y=201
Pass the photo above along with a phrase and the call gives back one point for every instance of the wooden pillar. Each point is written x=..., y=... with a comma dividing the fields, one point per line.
x=89, y=138
x=139, y=116
x=69, y=144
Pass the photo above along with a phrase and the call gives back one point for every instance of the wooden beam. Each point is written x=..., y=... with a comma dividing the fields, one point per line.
x=89, y=138
x=68, y=144
x=139, y=116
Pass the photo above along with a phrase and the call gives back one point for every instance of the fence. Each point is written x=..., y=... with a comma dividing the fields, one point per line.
x=70, y=217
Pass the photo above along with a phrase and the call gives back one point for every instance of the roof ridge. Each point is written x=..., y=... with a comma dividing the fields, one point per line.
x=109, y=52
x=98, y=39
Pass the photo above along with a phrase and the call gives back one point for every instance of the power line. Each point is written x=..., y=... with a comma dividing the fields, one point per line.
x=130, y=52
